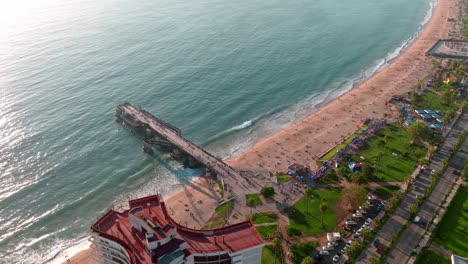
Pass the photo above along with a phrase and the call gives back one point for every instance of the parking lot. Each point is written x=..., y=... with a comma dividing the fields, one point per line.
x=355, y=221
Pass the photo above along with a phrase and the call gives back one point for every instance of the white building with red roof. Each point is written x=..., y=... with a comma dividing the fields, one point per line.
x=146, y=233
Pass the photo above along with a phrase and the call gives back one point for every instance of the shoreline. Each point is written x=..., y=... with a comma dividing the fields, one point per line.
x=316, y=132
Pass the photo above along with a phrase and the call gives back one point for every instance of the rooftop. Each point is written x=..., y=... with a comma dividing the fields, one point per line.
x=151, y=213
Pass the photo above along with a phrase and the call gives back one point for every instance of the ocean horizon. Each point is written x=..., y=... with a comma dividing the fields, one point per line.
x=227, y=74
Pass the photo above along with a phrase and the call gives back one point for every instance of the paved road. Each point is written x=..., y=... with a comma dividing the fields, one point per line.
x=412, y=235
x=402, y=214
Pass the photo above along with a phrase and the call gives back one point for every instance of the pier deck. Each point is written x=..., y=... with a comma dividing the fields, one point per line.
x=173, y=135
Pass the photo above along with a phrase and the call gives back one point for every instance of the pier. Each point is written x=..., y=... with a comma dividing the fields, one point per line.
x=155, y=131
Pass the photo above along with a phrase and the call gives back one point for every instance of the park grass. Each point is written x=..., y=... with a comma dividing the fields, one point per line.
x=253, y=199
x=268, y=255
x=305, y=214
x=330, y=178
x=301, y=250
x=220, y=217
x=385, y=191
x=266, y=230
x=389, y=168
x=221, y=188
x=283, y=177
x=430, y=257
x=453, y=229
x=433, y=101
x=262, y=217
x=339, y=147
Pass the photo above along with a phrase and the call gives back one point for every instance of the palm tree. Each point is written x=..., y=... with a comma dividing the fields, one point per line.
x=276, y=245
x=307, y=260
x=308, y=193
x=323, y=209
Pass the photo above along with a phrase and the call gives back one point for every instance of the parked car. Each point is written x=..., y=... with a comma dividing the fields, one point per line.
x=350, y=223
x=349, y=243
x=371, y=197
x=376, y=242
x=422, y=223
x=368, y=221
x=347, y=228
x=336, y=258
x=356, y=236
x=328, y=248
x=380, y=207
x=417, y=219
x=384, y=202
x=358, y=232
x=363, y=212
x=357, y=215
x=333, y=243
x=324, y=253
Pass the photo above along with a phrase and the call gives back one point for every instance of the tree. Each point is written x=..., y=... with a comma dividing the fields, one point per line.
x=374, y=260
x=308, y=193
x=367, y=170
x=447, y=97
x=276, y=245
x=354, y=196
x=416, y=99
x=307, y=260
x=323, y=209
x=418, y=132
x=413, y=208
x=267, y=192
x=354, y=249
x=366, y=233
x=344, y=171
x=358, y=177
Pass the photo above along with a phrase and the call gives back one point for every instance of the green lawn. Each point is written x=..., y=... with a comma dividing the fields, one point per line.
x=262, y=217
x=219, y=218
x=430, y=257
x=434, y=102
x=385, y=191
x=266, y=230
x=391, y=168
x=452, y=231
x=301, y=250
x=253, y=199
x=305, y=215
x=283, y=177
x=221, y=188
x=332, y=152
x=268, y=255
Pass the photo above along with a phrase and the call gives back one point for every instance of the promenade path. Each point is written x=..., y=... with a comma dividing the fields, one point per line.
x=410, y=238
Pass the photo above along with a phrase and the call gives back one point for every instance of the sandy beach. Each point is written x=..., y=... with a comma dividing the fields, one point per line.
x=307, y=140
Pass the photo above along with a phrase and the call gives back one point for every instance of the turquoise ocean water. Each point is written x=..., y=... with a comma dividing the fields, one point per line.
x=205, y=66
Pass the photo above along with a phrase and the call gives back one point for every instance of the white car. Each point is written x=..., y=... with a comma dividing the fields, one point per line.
x=350, y=223
x=368, y=221
x=328, y=248
x=333, y=243
x=357, y=215
x=371, y=197
x=349, y=243
x=361, y=212
x=336, y=258
x=358, y=232
x=324, y=253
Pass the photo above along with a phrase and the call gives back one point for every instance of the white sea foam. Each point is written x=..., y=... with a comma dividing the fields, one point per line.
x=273, y=123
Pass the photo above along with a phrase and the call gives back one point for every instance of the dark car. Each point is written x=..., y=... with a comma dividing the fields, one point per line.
x=347, y=228
x=422, y=224
x=376, y=243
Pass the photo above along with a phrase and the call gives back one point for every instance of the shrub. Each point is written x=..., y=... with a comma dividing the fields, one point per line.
x=267, y=192
x=293, y=231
